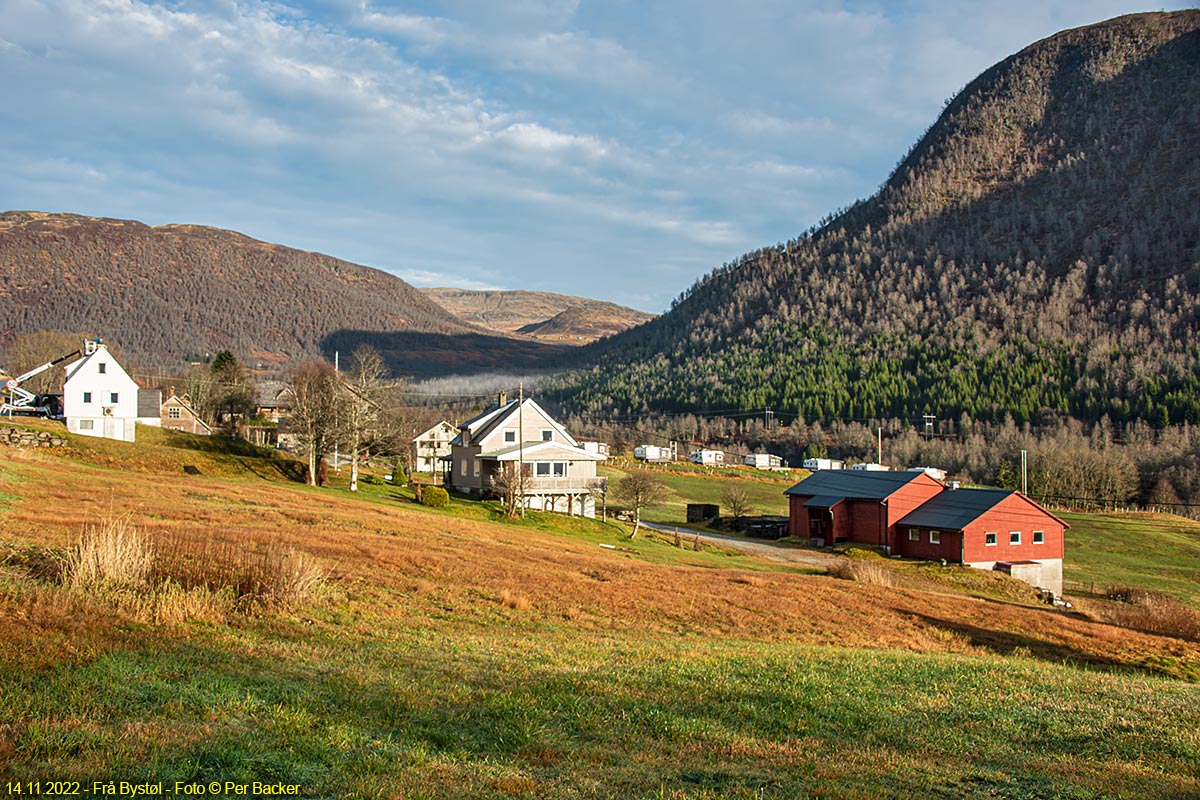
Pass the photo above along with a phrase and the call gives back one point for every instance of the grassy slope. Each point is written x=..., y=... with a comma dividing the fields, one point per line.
x=615, y=675
x=695, y=486
x=1151, y=551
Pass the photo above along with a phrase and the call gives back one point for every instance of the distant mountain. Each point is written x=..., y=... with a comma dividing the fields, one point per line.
x=1037, y=253
x=540, y=315
x=165, y=294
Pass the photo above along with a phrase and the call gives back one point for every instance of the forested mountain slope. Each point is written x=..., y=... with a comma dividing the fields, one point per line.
x=164, y=293
x=1037, y=251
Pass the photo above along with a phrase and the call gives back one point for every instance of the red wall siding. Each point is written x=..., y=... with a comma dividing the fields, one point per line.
x=949, y=549
x=864, y=522
x=899, y=504
x=1014, y=513
x=798, y=515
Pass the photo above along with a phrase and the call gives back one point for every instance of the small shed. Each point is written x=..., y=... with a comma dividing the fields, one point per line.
x=699, y=512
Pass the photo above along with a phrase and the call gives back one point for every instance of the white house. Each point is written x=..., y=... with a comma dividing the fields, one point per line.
x=430, y=446
x=99, y=397
x=870, y=467
x=815, y=464
x=709, y=457
x=560, y=475
x=936, y=473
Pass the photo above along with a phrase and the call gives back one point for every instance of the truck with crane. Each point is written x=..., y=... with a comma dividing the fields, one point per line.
x=18, y=400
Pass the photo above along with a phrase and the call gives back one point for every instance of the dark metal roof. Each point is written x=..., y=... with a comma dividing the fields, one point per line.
x=854, y=484
x=954, y=509
x=823, y=501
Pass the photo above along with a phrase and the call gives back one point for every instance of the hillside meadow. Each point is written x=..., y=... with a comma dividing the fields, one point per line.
x=447, y=654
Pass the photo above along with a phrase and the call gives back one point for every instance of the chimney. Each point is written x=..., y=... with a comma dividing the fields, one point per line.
x=502, y=399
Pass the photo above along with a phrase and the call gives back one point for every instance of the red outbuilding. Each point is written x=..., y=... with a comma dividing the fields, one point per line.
x=911, y=514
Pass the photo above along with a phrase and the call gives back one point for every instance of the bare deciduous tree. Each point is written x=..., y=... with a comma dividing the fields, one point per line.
x=638, y=490
x=360, y=403
x=315, y=389
x=737, y=501
x=509, y=483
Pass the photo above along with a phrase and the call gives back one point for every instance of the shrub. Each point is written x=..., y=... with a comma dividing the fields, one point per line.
x=435, y=497
x=1153, y=612
x=371, y=479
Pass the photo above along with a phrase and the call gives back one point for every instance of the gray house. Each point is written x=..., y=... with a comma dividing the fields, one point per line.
x=560, y=475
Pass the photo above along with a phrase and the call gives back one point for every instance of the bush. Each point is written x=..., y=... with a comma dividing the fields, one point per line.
x=114, y=553
x=435, y=497
x=1150, y=611
x=371, y=479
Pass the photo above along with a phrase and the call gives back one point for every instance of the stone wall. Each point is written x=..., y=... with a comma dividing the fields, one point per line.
x=19, y=437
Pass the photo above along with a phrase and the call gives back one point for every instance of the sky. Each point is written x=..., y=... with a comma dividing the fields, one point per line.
x=612, y=149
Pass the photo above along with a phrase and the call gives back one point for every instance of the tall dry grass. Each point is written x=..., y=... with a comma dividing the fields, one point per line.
x=178, y=577
x=868, y=571
x=1149, y=611
x=112, y=554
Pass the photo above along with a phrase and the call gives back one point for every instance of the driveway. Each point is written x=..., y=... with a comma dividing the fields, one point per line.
x=774, y=551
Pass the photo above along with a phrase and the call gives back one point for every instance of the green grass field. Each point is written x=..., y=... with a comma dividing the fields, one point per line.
x=764, y=491
x=1150, y=551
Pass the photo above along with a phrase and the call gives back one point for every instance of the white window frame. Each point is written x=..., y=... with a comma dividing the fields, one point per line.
x=103, y=367
x=914, y=535
x=86, y=425
x=87, y=397
x=114, y=397
x=1014, y=537
x=1039, y=537
x=463, y=467
x=510, y=436
x=547, y=434
x=935, y=537
x=991, y=538
x=538, y=468
x=174, y=412
x=475, y=466
x=559, y=469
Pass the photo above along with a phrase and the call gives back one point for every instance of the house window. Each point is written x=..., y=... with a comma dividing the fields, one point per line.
x=914, y=535
x=989, y=538
x=87, y=397
x=510, y=437
x=560, y=469
x=112, y=398
x=1039, y=537
x=85, y=424
x=935, y=537
x=1014, y=537
x=475, y=463
x=543, y=469
x=173, y=412
x=103, y=367
x=463, y=467
x=547, y=435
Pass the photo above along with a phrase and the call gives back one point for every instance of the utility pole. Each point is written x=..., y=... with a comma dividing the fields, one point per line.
x=929, y=420
x=337, y=462
x=1024, y=473
x=521, y=444
x=879, y=446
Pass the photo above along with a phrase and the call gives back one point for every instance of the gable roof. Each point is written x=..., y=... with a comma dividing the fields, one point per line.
x=443, y=425
x=955, y=509
x=855, y=484
x=533, y=451
x=494, y=416
x=100, y=352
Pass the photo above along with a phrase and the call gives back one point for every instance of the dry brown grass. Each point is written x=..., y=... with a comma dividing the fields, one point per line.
x=420, y=564
x=1149, y=611
x=869, y=571
x=514, y=600
x=112, y=554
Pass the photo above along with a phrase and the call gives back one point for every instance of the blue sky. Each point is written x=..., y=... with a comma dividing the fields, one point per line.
x=613, y=149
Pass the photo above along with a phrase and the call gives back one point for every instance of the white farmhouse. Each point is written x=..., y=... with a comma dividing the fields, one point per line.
x=99, y=397
x=708, y=457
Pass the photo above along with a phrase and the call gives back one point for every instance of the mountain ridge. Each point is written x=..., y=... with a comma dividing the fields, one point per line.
x=1034, y=253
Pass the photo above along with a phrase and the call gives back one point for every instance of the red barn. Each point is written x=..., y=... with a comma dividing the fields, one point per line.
x=847, y=505
x=911, y=514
